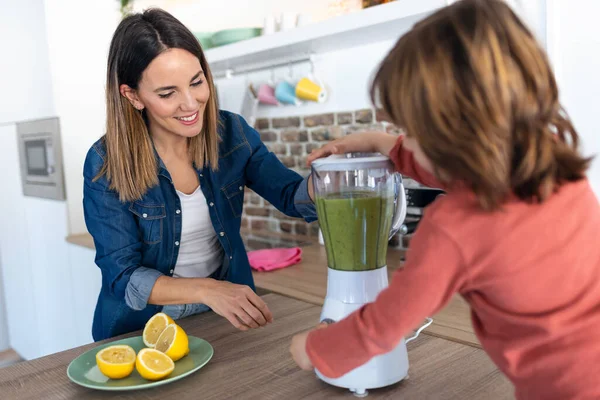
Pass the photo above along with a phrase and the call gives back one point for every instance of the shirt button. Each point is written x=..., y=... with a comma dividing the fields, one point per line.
x=177, y=211
x=177, y=243
x=145, y=215
x=201, y=175
x=231, y=257
x=171, y=271
x=241, y=188
x=211, y=204
x=222, y=233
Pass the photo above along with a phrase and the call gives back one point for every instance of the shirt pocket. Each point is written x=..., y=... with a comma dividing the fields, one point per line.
x=150, y=221
x=234, y=192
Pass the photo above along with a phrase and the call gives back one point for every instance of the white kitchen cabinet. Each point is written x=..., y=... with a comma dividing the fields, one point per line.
x=15, y=261
x=49, y=287
x=46, y=228
x=85, y=282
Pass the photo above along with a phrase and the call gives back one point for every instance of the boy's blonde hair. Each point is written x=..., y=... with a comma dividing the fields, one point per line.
x=475, y=89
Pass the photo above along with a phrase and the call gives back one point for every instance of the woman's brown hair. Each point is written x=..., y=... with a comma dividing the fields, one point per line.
x=130, y=165
x=476, y=90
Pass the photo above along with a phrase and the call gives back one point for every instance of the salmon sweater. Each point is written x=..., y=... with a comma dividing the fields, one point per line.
x=530, y=273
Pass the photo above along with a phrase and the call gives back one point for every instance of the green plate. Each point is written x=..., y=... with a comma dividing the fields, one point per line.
x=229, y=36
x=83, y=370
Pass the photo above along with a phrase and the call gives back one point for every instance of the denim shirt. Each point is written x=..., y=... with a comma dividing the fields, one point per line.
x=137, y=242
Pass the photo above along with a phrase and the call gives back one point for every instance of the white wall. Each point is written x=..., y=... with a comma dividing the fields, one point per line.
x=4, y=342
x=27, y=95
x=574, y=48
x=78, y=48
x=26, y=84
x=15, y=254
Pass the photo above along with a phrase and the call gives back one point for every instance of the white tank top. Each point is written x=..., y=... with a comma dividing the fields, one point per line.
x=200, y=253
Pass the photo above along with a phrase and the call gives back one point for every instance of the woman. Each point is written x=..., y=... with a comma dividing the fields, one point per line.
x=164, y=187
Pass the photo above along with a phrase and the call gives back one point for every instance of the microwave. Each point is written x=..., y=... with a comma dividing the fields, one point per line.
x=40, y=155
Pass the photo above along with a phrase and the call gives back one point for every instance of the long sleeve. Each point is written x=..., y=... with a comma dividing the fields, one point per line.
x=405, y=163
x=116, y=238
x=272, y=180
x=433, y=273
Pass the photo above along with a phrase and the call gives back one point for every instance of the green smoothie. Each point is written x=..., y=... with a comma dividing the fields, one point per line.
x=355, y=227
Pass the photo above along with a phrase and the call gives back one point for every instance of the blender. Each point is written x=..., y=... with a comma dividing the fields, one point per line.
x=361, y=204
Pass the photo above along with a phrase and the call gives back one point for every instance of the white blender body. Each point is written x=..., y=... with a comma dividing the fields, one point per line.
x=361, y=204
x=346, y=293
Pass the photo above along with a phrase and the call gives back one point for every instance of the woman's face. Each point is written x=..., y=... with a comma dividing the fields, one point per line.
x=174, y=93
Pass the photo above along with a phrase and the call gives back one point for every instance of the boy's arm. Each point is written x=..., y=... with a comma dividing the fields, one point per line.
x=381, y=142
x=405, y=163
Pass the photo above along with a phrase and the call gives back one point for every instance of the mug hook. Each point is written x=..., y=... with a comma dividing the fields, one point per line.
x=272, y=76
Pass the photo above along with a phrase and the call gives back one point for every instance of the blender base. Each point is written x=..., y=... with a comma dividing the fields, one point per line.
x=347, y=291
x=360, y=392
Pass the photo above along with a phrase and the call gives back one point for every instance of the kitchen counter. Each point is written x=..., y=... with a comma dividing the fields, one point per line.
x=307, y=280
x=256, y=365
x=82, y=239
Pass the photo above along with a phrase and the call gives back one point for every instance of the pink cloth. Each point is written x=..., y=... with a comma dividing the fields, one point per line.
x=272, y=259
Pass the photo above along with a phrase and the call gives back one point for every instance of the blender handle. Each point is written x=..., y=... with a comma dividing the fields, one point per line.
x=400, y=211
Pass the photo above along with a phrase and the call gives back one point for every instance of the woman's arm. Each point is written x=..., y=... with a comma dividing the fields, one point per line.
x=116, y=237
x=237, y=303
x=282, y=187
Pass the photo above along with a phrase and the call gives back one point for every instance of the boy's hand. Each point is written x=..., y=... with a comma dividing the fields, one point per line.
x=298, y=348
x=363, y=142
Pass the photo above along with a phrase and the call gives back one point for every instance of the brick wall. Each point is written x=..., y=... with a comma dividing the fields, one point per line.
x=292, y=139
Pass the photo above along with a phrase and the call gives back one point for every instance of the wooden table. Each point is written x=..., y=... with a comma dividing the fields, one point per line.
x=307, y=281
x=256, y=365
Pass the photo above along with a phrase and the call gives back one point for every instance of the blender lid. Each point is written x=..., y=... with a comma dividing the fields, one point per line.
x=351, y=162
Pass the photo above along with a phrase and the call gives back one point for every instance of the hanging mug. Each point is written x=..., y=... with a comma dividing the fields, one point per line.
x=266, y=94
x=285, y=92
x=249, y=105
x=308, y=89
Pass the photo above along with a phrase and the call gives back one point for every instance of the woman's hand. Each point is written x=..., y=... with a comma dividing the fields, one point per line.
x=363, y=142
x=298, y=348
x=238, y=303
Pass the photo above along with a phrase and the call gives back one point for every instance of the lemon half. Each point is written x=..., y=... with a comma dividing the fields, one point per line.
x=154, y=327
x=173, y=341
x=153, y=365
x=116, y=361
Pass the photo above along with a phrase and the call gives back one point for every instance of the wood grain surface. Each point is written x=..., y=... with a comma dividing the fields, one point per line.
x=257, y=365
